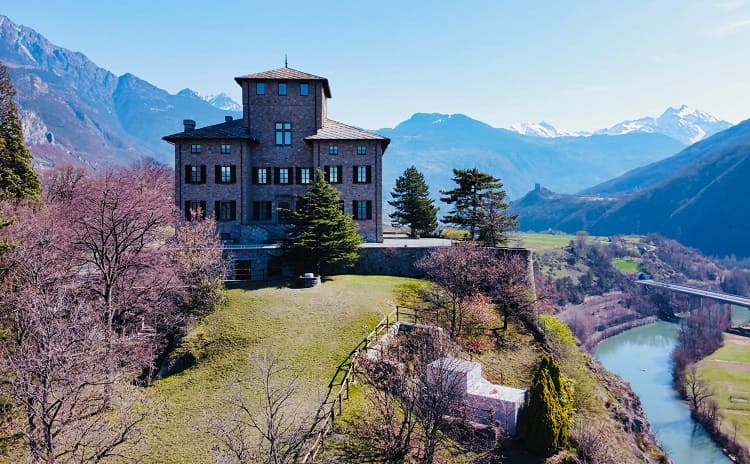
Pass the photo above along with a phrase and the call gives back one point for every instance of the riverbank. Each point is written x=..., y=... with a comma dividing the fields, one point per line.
x=602, y=316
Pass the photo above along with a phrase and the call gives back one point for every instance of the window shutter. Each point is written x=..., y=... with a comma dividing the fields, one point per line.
x=203, y=174
x=256, y=210
x=369, y=209
x=233, y=174
x=369, y=174
x=217, y=174
x=354, y=209
x=355, y=178
x=276, y=175
x=187, y=173
x=233, y=211
x=202, y=206
x=291, y=175
x=340, y=170
x=268, y=175
x=298, y=175
x=255, y=175
x=328, y=173
x=268, y=210
x=217, y=210
x=187, y=210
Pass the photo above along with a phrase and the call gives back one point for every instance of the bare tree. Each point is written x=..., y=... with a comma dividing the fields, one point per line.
x=269, y=431
x=118, y=232
x=698, y=393
x=66, y=381
x=60, y=184
x=200, y=264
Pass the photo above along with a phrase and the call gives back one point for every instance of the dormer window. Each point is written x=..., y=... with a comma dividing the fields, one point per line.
x=260, y=88
x=304, y=89
x=282, y=88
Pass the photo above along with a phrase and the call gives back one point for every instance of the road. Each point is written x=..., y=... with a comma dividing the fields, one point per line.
x=718, y=296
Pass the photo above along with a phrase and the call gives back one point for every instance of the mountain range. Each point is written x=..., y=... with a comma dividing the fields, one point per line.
x=696, y=196
x=685, y=124
x=74, y=111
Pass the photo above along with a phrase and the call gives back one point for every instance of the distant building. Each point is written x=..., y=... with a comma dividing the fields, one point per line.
x=244, y=171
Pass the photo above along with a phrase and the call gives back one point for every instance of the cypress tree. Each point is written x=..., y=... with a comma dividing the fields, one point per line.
x=546, y=420
x=320, y=233
x=414, y=207
x=18, y=179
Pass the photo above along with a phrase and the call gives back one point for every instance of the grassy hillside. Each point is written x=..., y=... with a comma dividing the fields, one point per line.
x=308, y=329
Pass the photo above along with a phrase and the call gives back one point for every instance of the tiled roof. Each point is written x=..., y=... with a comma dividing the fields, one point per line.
x=226, y=130
x=286, y=74
x=334, y=130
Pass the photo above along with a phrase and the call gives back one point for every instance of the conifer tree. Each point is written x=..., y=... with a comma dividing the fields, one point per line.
x=496, y=222
x=546, y=421
x=469, y=199
x=18, y=179
x=414, y=207
x=320, y=233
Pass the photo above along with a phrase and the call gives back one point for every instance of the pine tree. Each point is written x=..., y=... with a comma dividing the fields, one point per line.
x=546, y=420
x=414, y=207
x=468, y=199
x=496, y=222
x=18, y=179
x=320, y=233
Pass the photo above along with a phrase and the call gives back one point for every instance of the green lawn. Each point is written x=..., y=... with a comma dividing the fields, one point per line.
x=628, y=265
x=728, y=373
x=308, y=329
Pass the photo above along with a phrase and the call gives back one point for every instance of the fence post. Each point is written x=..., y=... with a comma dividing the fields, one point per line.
x=397, y=316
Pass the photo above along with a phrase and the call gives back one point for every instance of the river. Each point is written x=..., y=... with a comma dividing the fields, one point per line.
x=641, y=356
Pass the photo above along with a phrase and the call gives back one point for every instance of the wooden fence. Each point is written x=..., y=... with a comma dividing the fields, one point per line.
x=338, y=387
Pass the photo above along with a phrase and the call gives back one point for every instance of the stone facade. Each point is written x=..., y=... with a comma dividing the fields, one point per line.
x=244, y=171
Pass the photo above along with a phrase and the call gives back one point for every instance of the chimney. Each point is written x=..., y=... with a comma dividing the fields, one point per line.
x=189, y=125
x=228, y=118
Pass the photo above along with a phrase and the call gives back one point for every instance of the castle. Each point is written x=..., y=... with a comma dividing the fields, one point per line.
x=243, y=172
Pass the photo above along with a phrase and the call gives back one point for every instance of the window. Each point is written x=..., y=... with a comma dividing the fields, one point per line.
x=282, y=211
x=304, y=89
x=362, y=174
x=362, y=209
x=261, y=211
x=225, y=210
x=304, y=175
x=195, y=209
x=195, y=174
x=283, y=133
x=226, y=149
x=283, y=176
x=260, y=88
x=195, y=148
x=261, y=175
x=333, y=149
x=225, y=174
x=361, y=149
x=282, y=88
x=333, y=174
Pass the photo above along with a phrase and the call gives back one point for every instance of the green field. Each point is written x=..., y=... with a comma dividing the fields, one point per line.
x=727, y=371
x=544, y=242
x=628, y=265
x=312, y=330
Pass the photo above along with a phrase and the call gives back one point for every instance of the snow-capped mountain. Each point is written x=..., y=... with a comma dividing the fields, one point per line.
x=223, y=102
x=542, y=129
x=685, y=124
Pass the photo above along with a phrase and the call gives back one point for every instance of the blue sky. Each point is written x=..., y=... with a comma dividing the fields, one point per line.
x=581, y=65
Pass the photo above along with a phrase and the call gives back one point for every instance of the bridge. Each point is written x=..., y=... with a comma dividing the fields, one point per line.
x=717, y=296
